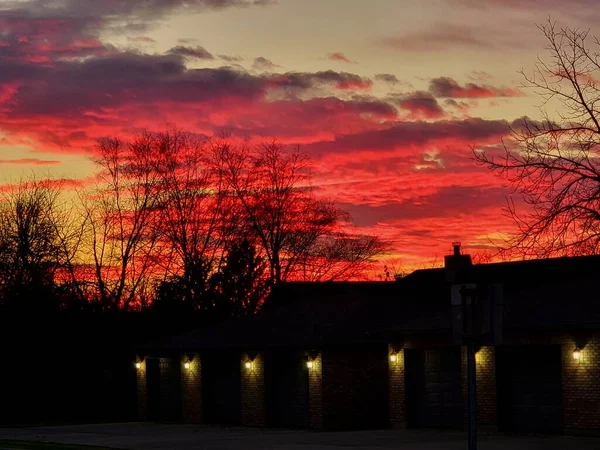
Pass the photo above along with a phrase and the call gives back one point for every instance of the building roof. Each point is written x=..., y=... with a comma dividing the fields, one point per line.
x=551, y=293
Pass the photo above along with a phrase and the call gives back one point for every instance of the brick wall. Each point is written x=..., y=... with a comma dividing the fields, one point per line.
x=397, y=393
x=315, y=394
x=581, y=388
x=191, y=389
x=485, y=366
x=253, y=391
x=485, y=360
x=142, y=392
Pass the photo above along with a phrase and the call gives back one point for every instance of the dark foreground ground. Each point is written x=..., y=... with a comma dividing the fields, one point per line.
x=169, y=437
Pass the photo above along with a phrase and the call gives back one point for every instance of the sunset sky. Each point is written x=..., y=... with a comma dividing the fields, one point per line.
x=386, y=96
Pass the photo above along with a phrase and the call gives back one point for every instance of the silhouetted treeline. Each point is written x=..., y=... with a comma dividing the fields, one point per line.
x=176, y=223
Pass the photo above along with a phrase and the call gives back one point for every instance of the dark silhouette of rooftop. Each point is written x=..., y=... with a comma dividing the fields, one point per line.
x=538, y=294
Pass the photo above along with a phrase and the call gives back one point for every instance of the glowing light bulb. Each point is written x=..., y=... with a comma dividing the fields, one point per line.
x=138, y=365
x=186, y=364
x=576, y=354
x=309, y=364
x=248, y=365
x=393, y=357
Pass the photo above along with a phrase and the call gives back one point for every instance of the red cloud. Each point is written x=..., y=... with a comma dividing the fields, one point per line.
x=61, y=87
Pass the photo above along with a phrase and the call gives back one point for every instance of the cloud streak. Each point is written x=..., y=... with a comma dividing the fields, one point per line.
x=197, y=52
x=29, y=162
x=339, y=57
x=446, y=87
x=442, y=36
x=264, y=64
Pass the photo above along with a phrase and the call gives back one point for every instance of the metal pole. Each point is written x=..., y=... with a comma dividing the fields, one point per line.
x=470, y=334
x=472, y=390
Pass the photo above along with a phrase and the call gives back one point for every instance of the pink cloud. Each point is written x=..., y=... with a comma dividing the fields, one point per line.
x=340, y=57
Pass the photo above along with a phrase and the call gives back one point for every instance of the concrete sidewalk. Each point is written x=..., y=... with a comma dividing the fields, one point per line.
x=171, y=437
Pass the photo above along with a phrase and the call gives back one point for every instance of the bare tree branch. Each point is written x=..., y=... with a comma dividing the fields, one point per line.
x=554, y=163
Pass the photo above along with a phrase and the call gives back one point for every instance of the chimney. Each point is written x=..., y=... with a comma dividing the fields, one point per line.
x=457, y=263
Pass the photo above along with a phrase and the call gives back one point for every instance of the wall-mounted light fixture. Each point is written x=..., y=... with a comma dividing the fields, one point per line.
x=187, y=363
x=138, y=362
x=577, y=353
x=393, y=357
x=309, y=364
x=248, y=364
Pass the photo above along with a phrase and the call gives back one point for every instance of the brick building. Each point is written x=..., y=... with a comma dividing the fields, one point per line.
x=387, y=354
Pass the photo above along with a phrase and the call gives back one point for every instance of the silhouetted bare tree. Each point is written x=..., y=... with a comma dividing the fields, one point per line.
x=120, y=221
x=338, y=256
x=302, y=236
x=30, y=247
x=196, y=215
x=555, y=162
